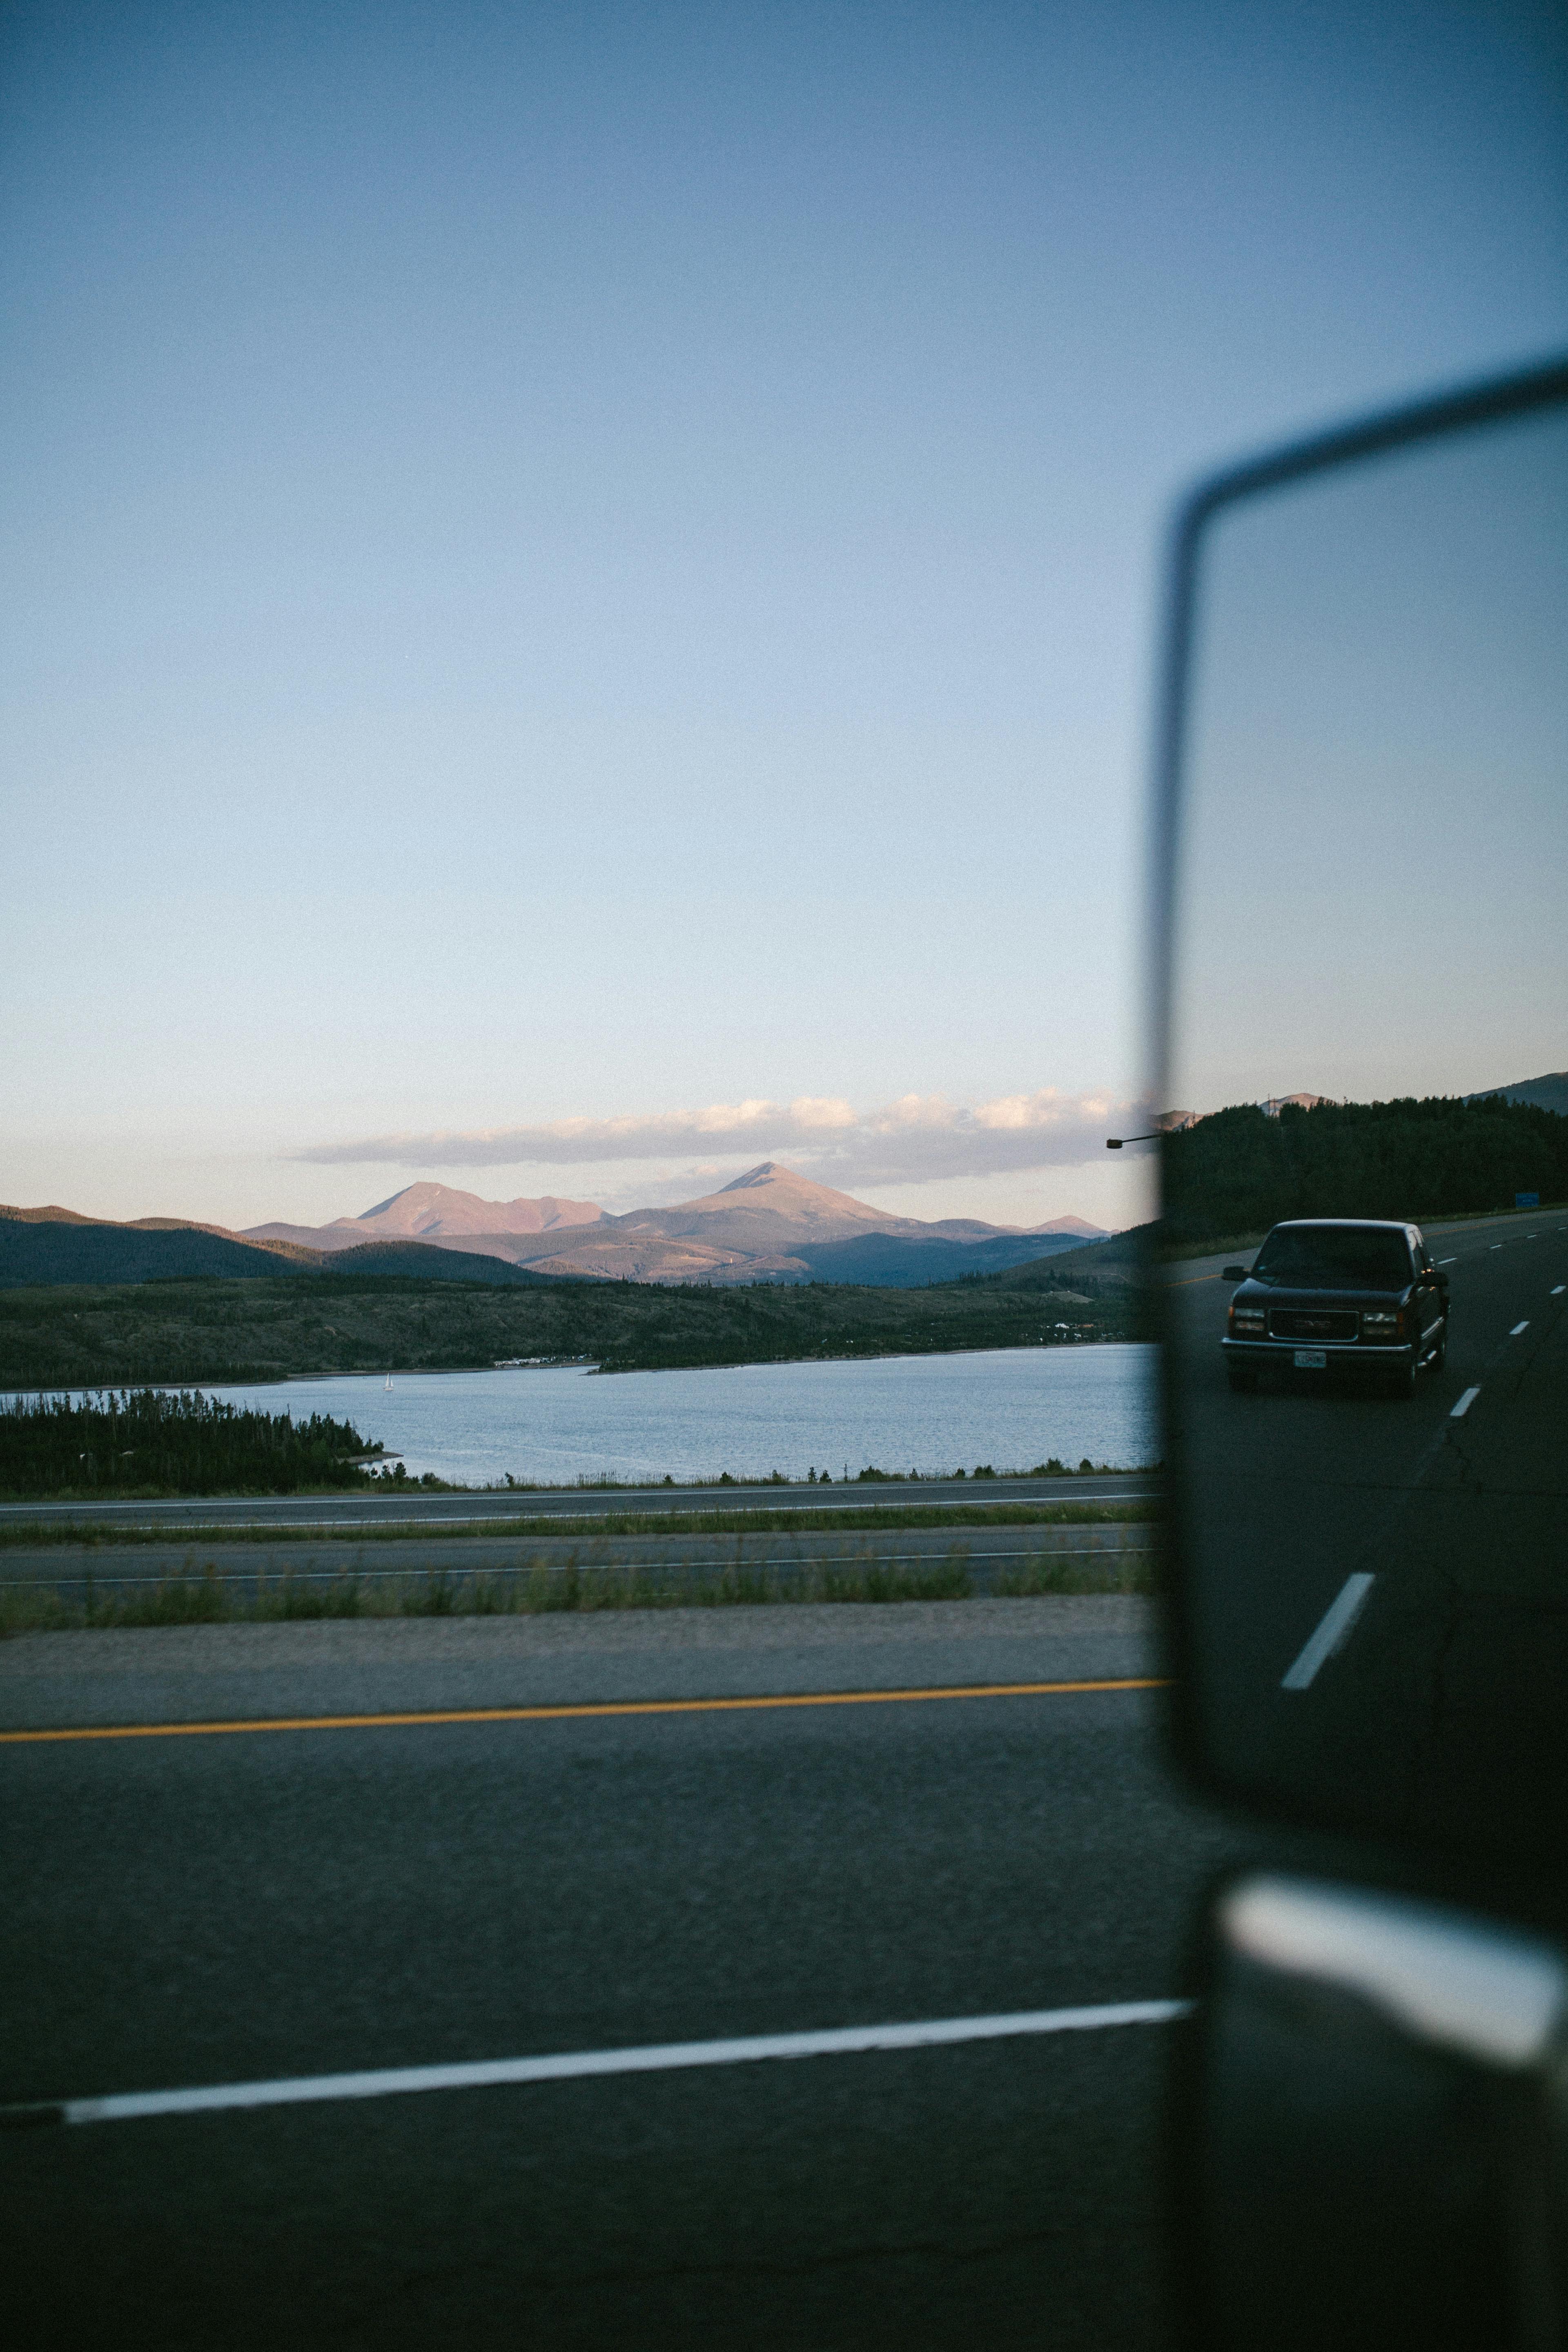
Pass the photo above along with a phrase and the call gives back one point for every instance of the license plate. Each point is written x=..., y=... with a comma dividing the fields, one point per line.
x=1311, y=1360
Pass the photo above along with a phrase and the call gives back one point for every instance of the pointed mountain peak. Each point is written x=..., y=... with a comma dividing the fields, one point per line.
x=789, y=1193
x=412, y=1196
x=767, y=1171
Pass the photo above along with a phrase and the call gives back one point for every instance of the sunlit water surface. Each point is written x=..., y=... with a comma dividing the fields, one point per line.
x=1010, y=1407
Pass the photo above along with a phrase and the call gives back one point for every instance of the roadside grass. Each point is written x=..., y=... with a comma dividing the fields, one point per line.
x=90, y=1534
x=531, y=1589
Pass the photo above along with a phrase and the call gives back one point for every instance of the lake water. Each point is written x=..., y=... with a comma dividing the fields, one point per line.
x=1010, y=1407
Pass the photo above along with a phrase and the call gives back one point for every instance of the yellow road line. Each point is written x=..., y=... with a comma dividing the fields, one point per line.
x=562, y=1714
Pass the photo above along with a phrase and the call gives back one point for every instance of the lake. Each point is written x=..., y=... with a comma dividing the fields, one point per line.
x=1011, y=1407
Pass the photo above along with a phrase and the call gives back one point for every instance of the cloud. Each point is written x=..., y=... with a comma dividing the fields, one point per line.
x=919, y=1138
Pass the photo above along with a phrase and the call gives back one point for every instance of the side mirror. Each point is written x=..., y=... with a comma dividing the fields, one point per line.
x=1366, y=647
x=1377, y=2091
x=1235, y=1273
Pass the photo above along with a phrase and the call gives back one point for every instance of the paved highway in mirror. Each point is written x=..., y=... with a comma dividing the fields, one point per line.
x=1378, y=1582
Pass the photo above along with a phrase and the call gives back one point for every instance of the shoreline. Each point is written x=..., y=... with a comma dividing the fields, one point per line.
x=586, y=1364
x=743, y=1489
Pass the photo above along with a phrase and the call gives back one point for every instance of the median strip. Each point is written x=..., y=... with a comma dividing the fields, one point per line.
x=658, y=2058
x=587, y=1710
x=550, y=1568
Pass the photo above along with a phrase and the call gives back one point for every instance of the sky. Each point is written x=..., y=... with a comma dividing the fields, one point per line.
x=1374, y=828
x=589, y=576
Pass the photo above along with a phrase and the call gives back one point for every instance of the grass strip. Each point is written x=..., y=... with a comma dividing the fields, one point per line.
x=532, y=1590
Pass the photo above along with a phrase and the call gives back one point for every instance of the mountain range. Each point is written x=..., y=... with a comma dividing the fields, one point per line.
x=769, y=1225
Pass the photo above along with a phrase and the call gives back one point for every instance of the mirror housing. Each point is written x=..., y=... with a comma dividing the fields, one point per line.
x=1376, y=2097
x=1367, y=1612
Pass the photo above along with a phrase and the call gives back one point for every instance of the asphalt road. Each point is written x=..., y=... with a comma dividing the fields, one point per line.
x=412, y=1509
x=1433, y=1526
x=225, y=1906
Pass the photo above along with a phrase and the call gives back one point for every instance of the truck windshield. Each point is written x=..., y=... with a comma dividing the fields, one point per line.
x=1334, y=1257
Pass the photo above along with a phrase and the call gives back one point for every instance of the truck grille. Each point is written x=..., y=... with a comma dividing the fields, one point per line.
x=1306, y=1323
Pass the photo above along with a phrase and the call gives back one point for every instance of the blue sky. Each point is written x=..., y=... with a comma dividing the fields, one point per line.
x=588, y=575
x=1384, y=651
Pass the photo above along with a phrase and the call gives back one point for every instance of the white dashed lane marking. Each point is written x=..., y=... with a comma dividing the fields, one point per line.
x=1333, y=1633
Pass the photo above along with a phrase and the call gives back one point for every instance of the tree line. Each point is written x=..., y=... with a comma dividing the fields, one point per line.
x=1240, y=1170
x=129, y=1441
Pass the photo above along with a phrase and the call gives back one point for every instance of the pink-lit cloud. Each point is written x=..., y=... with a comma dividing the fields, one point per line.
x=917, y=1140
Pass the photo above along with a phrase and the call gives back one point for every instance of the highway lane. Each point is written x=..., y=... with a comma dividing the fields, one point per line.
x=479, y=1506
x=208, y=1909
x=1433, y=1526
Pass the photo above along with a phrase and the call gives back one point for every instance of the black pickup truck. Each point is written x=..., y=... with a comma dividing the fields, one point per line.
x=1344, y=1295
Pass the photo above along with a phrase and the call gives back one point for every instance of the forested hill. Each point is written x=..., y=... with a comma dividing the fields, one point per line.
x=1241, y=1171
x=185, y=1332
x=36, y=1249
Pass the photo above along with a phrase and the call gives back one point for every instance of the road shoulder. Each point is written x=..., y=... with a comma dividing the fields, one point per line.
x=201, y=1673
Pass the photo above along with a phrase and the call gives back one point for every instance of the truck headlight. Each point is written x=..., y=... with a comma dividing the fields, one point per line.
x=1247, y=1322
x=1382, y=1323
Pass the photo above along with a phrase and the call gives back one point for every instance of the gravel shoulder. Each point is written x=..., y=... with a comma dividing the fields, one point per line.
x=205, y=1672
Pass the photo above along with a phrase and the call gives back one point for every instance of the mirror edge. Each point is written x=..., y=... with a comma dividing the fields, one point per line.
x=1543, y=385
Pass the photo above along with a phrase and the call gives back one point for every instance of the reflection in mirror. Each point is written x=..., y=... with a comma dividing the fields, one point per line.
x=1366, y=1184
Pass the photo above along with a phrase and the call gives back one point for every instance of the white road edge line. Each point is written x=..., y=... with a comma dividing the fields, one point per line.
x=1333, y=1631
x=575, y=2065
x=1559, y=1289
x=1519, y=1327
x=1466, y=1402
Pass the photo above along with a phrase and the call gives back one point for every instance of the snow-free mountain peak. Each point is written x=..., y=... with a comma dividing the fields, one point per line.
x=439, y=1213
